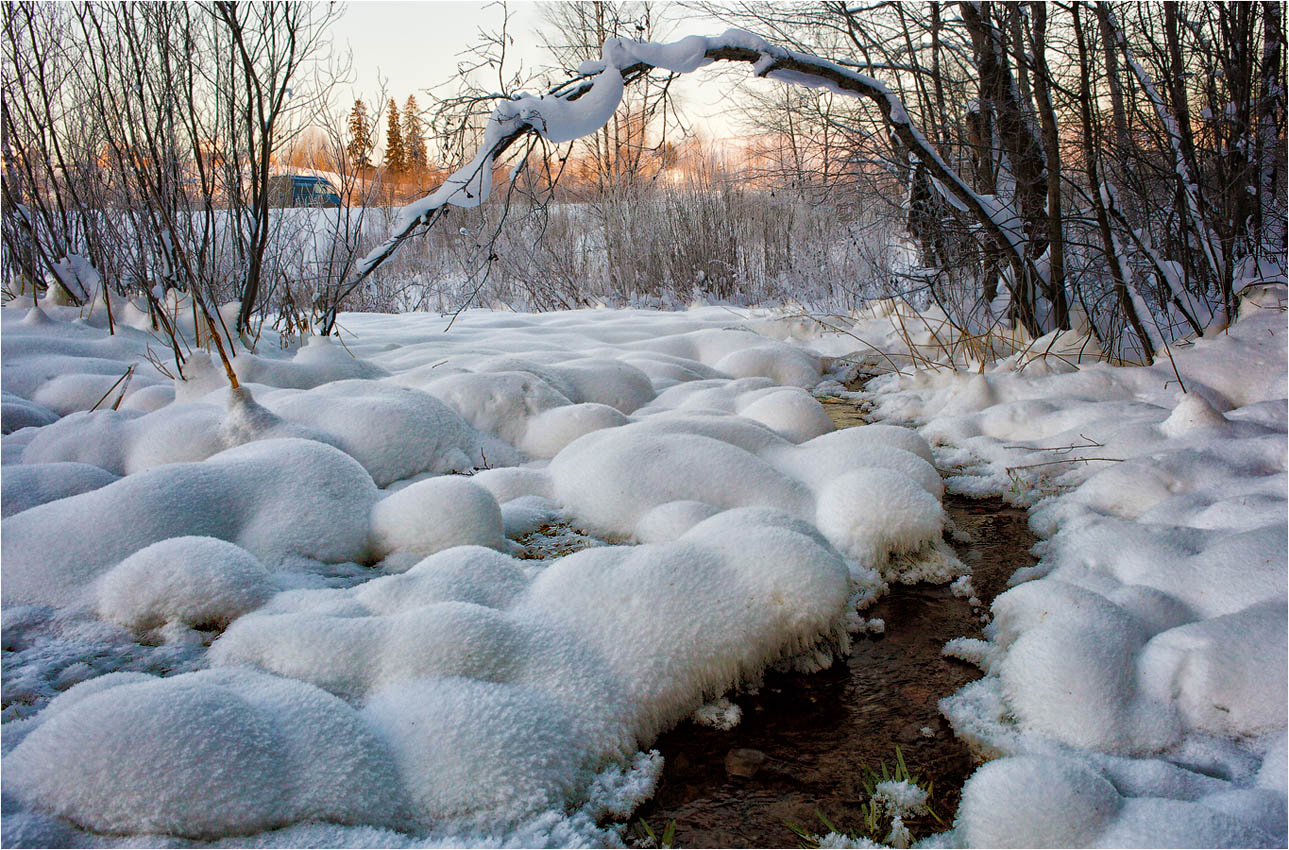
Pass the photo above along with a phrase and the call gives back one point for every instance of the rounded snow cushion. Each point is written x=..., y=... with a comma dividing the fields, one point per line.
x=781, y=363
x=793, y=413
x=1028, y=801
x=1226, y=674
x=817, y=464
x=1071, y=673
x=26, y=485
x=460, y=574
x=611, y=382
x=149, y=399
x=197, y=581
x=610, y=479
x=477, y=753
x=1193, y=413
x=511, y=482
x=870, y=513
x=672, y=519
x=17, y=412
x=433, y=515
x=278, y=499
x=892, y=436
x=552, y=430
x=748, y=585
x=497, y=403
x=394, y=432
x=204, y=755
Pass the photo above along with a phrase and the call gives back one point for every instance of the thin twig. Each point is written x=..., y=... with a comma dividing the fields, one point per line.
x=115, y=384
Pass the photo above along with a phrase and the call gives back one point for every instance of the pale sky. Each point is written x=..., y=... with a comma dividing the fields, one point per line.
x=414, y=46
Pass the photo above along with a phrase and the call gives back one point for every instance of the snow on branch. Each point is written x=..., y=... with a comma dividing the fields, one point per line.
x=586, y=103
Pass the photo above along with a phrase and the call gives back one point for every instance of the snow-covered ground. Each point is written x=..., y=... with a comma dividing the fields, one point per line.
x=335, y=606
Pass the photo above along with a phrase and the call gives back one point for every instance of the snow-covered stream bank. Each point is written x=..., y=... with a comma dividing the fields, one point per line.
x=274, y=616
x=1136, y=687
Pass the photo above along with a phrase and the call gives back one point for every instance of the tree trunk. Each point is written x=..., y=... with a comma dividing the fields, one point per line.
x=1109, y=246
x=1052, y=146
x=1020, y=145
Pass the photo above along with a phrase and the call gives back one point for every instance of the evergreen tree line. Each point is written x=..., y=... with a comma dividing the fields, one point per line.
x=405, y=142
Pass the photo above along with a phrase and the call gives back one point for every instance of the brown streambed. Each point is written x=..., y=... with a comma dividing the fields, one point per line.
x=819, y=731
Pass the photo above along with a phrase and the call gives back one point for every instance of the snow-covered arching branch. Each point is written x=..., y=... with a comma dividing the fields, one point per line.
x=583, y=105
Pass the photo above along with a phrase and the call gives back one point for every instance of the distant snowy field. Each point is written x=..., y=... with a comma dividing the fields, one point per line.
x=326, y=609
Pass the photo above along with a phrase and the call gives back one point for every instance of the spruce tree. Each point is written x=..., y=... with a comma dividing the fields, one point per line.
x=360, y=143
x=413, y=137
x=395, y=155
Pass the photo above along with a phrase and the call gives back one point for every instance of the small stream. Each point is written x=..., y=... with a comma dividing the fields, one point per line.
x=819, y=731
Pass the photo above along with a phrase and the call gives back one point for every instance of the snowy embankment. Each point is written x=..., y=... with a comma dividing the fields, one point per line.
x=276, y=615
x=1136, y=677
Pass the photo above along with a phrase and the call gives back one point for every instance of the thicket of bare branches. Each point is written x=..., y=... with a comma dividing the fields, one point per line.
x=1034, y=165
x=1139, y=149
x=139, y=142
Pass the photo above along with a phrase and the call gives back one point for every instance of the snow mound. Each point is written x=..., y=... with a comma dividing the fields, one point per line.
x=321, y=361
x=17, y=412
x=197, y=581
x=205, y=755
x=432, y=515
x=529, y=761
x=128, y=441
x=740, y=353
x=820, y=460
x=394, y=432
x=278, y=499
x=781, y=363
x=502, y=696
x=609, y=382
x=497, y=403
x=28, y=485
x=790, y=412
x=872, y=513
x=1193, y=413
x=1050, y=801
x=549, y=432
x=590, y=478
x=879, y=506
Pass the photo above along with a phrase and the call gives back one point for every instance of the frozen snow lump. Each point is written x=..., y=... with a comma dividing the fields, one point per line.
x=278, y=499
x=791, y=412
x=1035, y=802
x=206, y=755
x=611, y=479
x=197, y=581
x=818, y=461
x=551, y=431
x=128, y=441
x=17, y=412
x=27, y=485
x=750, y=586
x=1052, y=801
x=479, y=754
x=433, y=515
x=872, y=513
x=394, y=432
x=320, y=361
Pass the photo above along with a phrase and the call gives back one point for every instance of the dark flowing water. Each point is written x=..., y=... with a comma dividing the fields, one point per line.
x=819, y=731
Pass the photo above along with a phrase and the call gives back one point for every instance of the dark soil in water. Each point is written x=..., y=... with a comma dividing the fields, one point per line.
x=820, y=731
